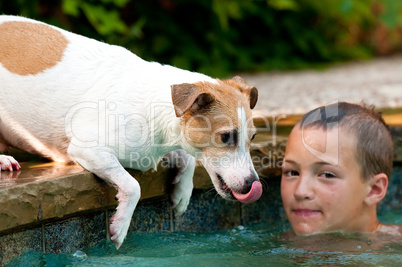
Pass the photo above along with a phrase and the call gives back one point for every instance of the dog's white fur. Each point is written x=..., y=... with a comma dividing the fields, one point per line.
x=106, y=108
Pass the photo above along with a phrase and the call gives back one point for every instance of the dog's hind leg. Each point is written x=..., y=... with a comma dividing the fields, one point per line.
x=183, y=182
x=102, y=162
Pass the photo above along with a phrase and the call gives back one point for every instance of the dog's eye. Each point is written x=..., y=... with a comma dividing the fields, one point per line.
x=229, y=138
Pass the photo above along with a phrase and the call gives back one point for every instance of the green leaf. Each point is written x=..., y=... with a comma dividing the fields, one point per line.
x=71, y=7
x=136, y=29
x=118, y=3
x=284, y=4
x=391, y=14
x=105, y=21
x=225, y=10
x=346, y=6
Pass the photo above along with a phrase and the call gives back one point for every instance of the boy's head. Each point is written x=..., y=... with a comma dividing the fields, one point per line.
x=337, y=163
x=373, y=147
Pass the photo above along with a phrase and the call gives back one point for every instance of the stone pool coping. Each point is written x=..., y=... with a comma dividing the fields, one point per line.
x=61, y=191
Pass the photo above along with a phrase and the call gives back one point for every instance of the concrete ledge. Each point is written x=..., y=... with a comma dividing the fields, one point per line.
x=73, y=191
x=41, y=192
x=63, y=193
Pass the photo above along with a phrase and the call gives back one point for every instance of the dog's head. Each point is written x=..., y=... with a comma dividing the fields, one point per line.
x=216, y=119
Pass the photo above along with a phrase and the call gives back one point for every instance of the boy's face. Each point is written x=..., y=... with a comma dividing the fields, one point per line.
x=322, y=188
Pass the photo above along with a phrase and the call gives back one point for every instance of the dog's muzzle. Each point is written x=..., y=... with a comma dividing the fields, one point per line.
x=253, y=194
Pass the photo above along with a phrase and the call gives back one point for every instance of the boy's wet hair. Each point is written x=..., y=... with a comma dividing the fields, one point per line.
x=374, y=146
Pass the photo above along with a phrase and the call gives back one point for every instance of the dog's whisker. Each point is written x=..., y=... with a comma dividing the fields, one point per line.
x=211, y=189
x=264, y=183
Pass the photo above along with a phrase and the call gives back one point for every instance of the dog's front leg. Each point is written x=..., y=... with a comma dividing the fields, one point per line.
x=103, y=163
x=8, y=163
x=183, y=182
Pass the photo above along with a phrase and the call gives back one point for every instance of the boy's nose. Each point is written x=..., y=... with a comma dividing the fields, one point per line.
x=304, y=189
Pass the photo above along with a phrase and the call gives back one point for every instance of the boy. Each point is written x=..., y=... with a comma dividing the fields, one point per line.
x=337, y=163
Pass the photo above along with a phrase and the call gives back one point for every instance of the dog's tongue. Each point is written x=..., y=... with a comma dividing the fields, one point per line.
x=253, y=195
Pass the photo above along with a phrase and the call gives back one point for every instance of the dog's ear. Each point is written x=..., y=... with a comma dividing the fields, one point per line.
x=188, y=96
x=249, y=90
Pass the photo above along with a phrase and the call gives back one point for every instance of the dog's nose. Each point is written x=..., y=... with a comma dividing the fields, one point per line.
x=248, y=181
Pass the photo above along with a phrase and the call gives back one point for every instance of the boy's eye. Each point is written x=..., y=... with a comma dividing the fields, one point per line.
x=291, y=173
x=328, y=175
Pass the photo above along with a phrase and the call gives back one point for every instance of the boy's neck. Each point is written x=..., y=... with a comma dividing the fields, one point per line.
x=369, y=220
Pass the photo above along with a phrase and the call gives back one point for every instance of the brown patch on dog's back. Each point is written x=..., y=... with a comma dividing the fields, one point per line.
x=29, y=48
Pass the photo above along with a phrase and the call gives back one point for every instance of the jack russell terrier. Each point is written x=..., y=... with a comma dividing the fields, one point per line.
x=74, y=99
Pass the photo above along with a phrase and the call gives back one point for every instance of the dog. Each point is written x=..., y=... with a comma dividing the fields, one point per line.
x=77, y=100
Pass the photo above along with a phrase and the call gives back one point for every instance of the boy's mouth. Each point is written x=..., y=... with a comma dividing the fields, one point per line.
x=306, y=212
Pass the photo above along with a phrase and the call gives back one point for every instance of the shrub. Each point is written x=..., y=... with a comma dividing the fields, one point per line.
x=222, y=36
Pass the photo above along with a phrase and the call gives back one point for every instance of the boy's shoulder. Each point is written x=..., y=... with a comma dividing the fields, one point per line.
x=390, y=229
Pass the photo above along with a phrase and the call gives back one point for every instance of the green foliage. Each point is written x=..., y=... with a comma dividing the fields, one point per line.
x=104, y=19
x=392, y=15
x=222, y=36
x=284, y=4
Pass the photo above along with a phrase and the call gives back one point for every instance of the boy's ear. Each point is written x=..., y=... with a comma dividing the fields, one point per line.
x=377, y=189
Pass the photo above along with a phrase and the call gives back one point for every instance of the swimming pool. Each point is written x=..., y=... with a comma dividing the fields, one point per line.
x=267, y=245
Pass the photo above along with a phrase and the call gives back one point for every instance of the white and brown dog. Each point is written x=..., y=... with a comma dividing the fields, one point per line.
x=73, y=99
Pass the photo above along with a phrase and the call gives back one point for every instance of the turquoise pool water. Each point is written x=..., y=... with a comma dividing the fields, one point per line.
x=262, y=245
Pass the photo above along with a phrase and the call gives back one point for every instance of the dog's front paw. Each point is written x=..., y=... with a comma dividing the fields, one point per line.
x=180, y=204
x=120, y=221
x=181, y=195
x=118, y=229
x=8, y=163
